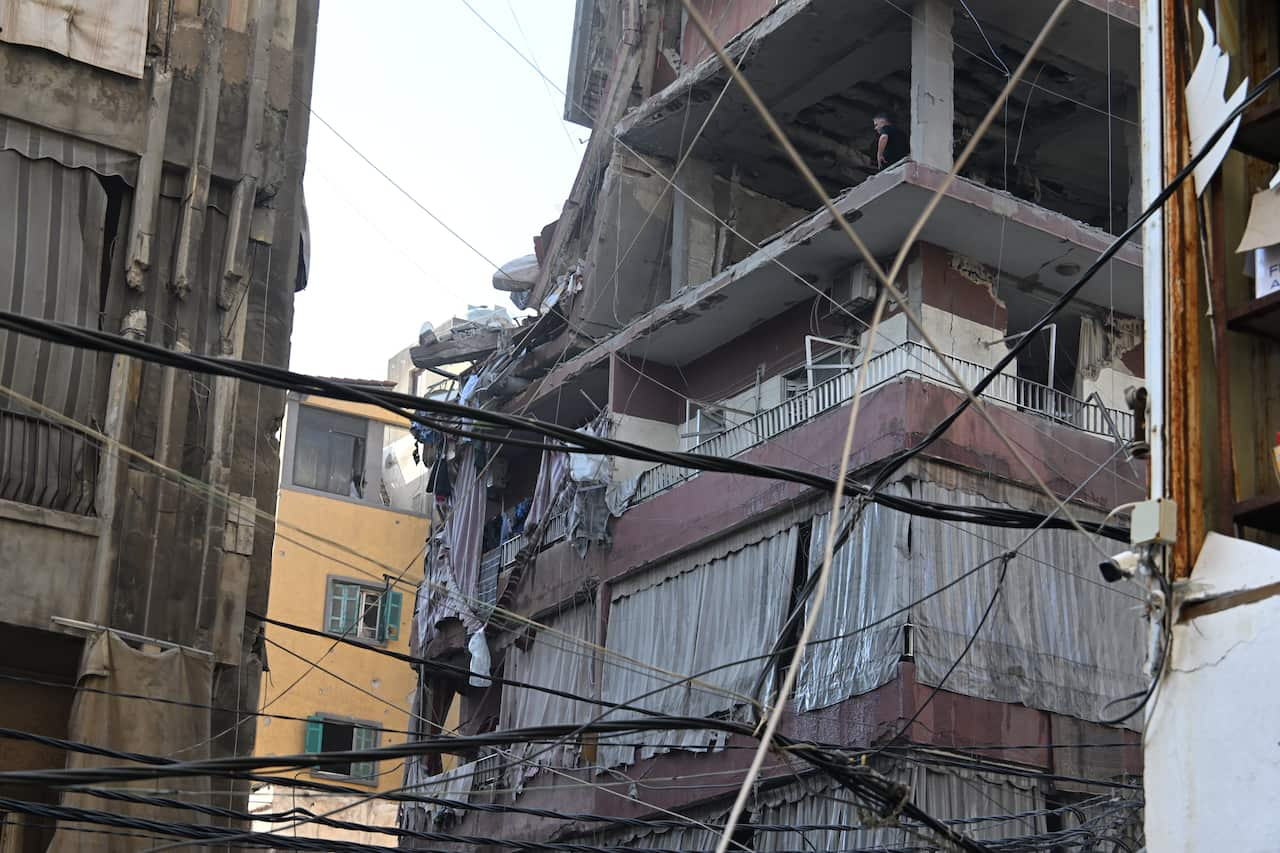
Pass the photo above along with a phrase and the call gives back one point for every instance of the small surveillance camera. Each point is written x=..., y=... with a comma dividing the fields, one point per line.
x=1122, y=565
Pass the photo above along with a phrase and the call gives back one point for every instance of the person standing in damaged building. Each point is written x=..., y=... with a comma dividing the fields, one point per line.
x=891, y=144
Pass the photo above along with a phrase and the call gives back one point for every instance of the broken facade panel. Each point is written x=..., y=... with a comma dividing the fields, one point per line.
x=696, y=296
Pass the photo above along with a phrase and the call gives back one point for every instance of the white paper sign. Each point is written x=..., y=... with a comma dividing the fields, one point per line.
x=1266, y=270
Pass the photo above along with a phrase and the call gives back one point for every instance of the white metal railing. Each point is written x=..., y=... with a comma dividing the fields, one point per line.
x=904, y=359
x=487, y=770
x=505, y=554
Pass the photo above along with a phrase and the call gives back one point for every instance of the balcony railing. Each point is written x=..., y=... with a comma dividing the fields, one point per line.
x=905, y=359
x=909, y=358
x=47, y=465
x=497, y=559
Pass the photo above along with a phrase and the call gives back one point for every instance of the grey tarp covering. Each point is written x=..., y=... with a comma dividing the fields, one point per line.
x=1060, y=639
x=110, y=34
x=865, y=587
x=947, y=793
x=560, y=657
x=51, y=246
x=712, y=606
x=156, y=728
x=553, y=473
x=41, y=143
x=462, y=538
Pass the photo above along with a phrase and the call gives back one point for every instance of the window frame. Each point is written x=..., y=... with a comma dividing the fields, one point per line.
x=390, y=605
x=374, y=450
x=366, y=435
x=370, y=729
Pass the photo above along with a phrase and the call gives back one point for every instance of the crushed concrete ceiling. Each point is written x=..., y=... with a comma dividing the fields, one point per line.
x=1035, y=248
x=827, y=68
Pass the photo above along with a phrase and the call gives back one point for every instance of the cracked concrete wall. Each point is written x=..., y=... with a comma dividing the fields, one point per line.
x=627, y=252
x=1212, y=762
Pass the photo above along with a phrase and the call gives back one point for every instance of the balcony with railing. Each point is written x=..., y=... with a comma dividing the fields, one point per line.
x=47, y=465
x=907, y=359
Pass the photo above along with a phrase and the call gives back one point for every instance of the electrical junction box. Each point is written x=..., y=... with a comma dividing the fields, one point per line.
x=1154, y=522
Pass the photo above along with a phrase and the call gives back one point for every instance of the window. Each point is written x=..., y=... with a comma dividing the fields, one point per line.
x=702, y=423
x=364, y=612
x=326, y=734
x=329, y=452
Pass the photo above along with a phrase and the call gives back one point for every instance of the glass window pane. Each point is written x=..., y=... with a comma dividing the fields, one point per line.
x=329, y=452
x=370, y=614
x=344, y=608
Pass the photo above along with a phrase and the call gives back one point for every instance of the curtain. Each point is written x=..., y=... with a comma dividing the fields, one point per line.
x=867, y=584
x=552, y=660
x=462, y=537
x=157, y=728
x=553, y=473
x=692, y=615
x=109, y=34
x=51, y=248
x=947, y=793
x=1059, y=639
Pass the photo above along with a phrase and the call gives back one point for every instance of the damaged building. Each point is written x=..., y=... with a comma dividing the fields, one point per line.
x=694, y=295
x=151, y=159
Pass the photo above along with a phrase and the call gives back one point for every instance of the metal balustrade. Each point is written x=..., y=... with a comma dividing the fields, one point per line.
x=909, y=358
x=45, y=464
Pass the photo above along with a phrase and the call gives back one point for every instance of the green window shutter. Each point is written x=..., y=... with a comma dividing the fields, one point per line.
x=315, y=733
x=344, y=608
x=364, y=739
x=391, y=615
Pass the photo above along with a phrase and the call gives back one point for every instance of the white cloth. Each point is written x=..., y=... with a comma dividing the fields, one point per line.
x=110, y=34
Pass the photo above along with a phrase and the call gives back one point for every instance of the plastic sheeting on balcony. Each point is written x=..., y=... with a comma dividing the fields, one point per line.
x=1059, y=639
x=692, y=614
x=947, y=793
x=863, y=592
x=560, y=657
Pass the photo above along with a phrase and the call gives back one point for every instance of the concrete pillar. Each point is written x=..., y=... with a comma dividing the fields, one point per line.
x=693, y=228
x=932, y=81
x=1133, y=160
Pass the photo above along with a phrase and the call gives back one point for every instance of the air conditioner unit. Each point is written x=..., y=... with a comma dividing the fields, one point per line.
x=854, y=290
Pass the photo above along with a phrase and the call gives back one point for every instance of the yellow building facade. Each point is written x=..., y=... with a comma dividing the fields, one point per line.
x=352, y=524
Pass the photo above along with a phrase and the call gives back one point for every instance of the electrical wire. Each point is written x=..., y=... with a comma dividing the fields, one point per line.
x=403, y=406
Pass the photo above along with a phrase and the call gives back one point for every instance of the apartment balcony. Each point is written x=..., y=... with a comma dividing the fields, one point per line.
x=907, y=359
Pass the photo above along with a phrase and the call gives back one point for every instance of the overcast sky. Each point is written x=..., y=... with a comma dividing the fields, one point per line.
x=460, y=121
